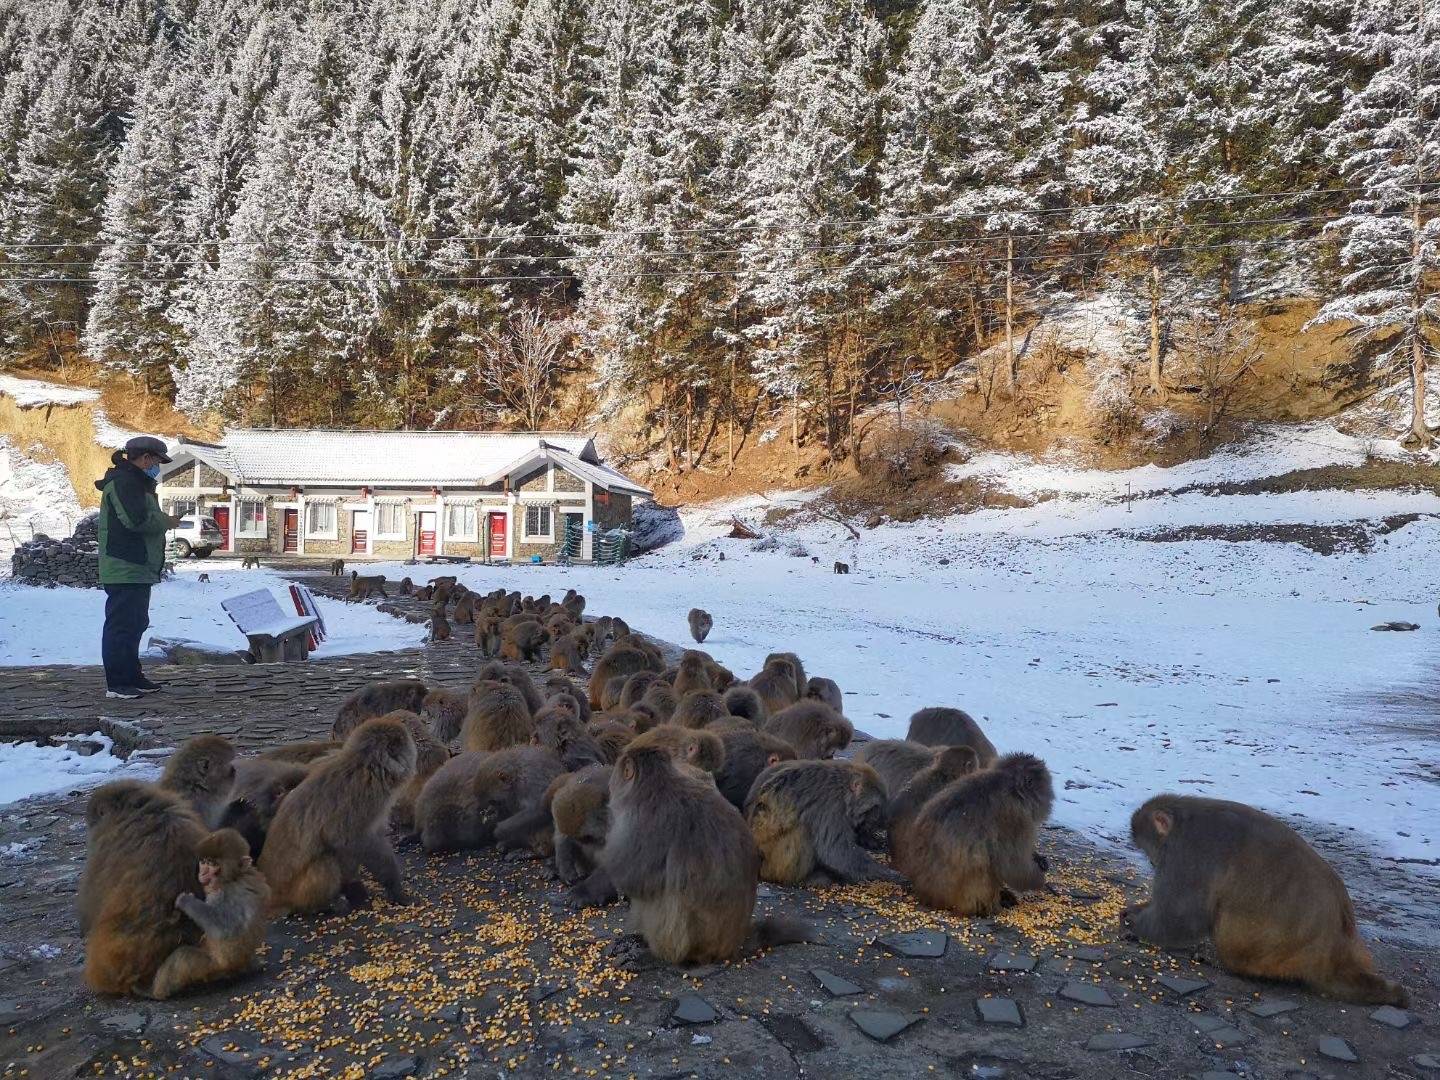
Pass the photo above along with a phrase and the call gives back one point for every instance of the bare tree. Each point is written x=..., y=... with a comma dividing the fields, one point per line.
x=518, y=366
x=1217, y=349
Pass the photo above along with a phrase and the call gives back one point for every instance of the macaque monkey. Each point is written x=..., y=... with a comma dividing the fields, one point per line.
x=362, y=588
x=487, y=635
x=776, y=684
x=406, y=586
x=465, y=609
x=517, y=677
x=842, y=568
x=700, y=624
x=949, y=764
x=202, y=772
x=497, y=717
x=260, y=785
x=797, y=666
x=558, y=727
x=565, y=655
x=232, y=917
x=301, y=753
x=1273, y=907
x=445, y=710
x=748, y=753
x=744, y=702
x=337, y=567
x=618, y=660
x=430, y=754
x=612, y=736
x=814, y=729
x=580, y=810
x=250, y=562
x=896, y=760
x=376, y=699
x=523, y=641
x=692, y=674
x=951, y=727
x=439, y=625
x=699, y=708
x=825, y=691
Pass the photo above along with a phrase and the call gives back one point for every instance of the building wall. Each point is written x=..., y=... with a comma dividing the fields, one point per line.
x=211, y=478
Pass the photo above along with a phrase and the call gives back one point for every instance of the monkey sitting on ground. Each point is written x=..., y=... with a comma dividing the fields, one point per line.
x=465, y=609
x=976, y=837
x=558, y=727
x=523, y=641
x=634, y=687
x=800, y=680
x=377, y=699
x=430, y=754
x=140, y=855
x=700, y=624
x=202, y=772
x=565, y=655
x=580, y=810
x=825, y=690
x=896, y=760
x=556, y=685
x=488, y=635
x=949, y=764
x=260, y=785
x=250, y=562
x=362, y=588
x=743, y=702
x=301, y=753
x=336, y=821
x=406, y=587
x=693, y=673
x=748, y=753
x=941, y=726
x=619, y=660
x=703, y=751
x=776, y=684
x=685, y=859
x=611, y=736
x=337, y=567
x=439, y=625
x=232, y=916
x=661, y=700
x=496, y=717
x=813, y=820
x=425, y=594
x=445, y=711
x=447, y=814
x=814, y=729
x=1274, y=908
x=699, y=708
x=842, y=568
x=517, y=677
x=509, y=790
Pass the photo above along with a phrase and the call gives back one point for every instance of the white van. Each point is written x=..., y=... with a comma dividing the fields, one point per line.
x=196, y=535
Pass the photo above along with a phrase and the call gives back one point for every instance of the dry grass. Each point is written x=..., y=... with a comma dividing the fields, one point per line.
x=63, y=433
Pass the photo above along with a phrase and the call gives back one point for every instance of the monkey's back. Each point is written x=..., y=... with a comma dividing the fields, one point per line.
x=896, y=760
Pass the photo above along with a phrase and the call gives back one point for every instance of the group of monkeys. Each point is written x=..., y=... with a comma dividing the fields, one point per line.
x=678, y=787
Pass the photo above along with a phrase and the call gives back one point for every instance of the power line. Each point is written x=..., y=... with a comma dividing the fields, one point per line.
x=676, y=274
x=782, y=225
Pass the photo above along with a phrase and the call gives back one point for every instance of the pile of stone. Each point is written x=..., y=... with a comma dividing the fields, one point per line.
x=48, y=563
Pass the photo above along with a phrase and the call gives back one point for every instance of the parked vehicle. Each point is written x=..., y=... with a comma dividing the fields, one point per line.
x=196, y=535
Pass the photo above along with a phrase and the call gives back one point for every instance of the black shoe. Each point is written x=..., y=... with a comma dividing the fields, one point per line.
x=129, y=693
x=145, y=686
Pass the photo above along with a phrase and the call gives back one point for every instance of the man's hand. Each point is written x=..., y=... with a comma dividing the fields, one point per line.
x=174, y=520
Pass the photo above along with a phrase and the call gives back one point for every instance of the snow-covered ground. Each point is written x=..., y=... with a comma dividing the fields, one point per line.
x=34, y=497
x=1235, y=670
x=62, y=626
x=32, y=393
x=28, y=769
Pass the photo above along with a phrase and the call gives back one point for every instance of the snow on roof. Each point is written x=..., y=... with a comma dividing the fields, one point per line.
x=31, y=393
x=396, y=458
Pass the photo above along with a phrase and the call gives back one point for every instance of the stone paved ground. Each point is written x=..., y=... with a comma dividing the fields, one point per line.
x=488, y=973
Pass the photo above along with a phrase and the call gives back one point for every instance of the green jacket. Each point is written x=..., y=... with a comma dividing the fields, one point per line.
x=132, y=526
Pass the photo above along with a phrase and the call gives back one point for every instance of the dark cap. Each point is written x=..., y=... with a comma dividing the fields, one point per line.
x=147, y=444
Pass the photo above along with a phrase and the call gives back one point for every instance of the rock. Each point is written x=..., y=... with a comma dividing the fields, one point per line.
x=999, y=1011
x=126, y=1023
x=1205, y=1022
x=1215, y=1074
x=1429, y=1062
x=1012, y=962
x=225, y=1049
x=834, y=984
x=185, y=653
x=1226, y=1036
x=1088, y=953
x=1396, y=624
x=1390, y=1016
x=1087, y=994
x=917, y=944
x=1267, y=1009
x=882, y=1025
x=1336, y=1049
x=394, y=1068
x=693, y=1009
x=1183, y=987
x=792, y=1033
x=1117, y=1040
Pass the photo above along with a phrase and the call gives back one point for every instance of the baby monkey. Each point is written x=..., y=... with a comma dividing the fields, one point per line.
x=232, y=915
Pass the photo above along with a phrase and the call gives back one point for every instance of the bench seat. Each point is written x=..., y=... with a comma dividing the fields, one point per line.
x=274, y=635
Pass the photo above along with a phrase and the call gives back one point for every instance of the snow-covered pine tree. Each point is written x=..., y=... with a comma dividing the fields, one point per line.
x=1387, y=142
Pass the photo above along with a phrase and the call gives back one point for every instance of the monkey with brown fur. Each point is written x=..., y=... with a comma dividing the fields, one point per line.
x=260, y=785
x=465, y=610
x=975, y=838
x=523, y=641
x=335, y=822
x=685, y=859
x=634, y=688
x=488, y=635
x=558, y=727
x=776, y=684
x=826, y=691
x=439, y=625
x=430, y=754
x=700, y=624
x=703, y=751
x=743, y=702
x=800, y=681
x=815, y=730
x=406, y=586
x=362, y=588
x=140, y=855
x=510, y=788
x=301, y=753
x=558, y=685
x=662, y=700
x=1273, y=907
x=250, y=562
x=940, y=726
x=497, y=717
x=699, y=708
x=565, y=655
x=692, y=674
x=425, y=594
x=748, y=753
x=445, y=711
x=447, y=813
x=202, y=772
x=618, y=660
x=813, y=820
x=377, y=699
x=611, y=736
x=517, y=677
x=580, y=810
x=232, y=917
x=896, y=760
x=949, y=764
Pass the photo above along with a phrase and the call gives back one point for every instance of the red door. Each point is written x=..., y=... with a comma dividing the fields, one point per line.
x=359, y=531
x=221, y=514
x=427, y=532
x=497, y=536
x=292, y=530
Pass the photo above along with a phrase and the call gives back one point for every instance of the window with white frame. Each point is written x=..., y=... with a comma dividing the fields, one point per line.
x=538, y=524
x=320, y=519
x=251, y=513
x=460, y=522
x=181, y=507
x=390, y=521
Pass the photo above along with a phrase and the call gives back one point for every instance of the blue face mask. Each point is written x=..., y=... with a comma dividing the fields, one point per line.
x=153, y=472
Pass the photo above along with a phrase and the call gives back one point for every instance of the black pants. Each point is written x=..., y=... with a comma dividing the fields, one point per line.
x=127, y=614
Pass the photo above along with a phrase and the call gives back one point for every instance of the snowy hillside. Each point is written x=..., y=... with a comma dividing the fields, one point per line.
x=35, y=497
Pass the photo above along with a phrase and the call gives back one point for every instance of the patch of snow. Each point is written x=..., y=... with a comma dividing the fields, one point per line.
x=35, y=497
x=62, y=626
x=111, y=436
x=43, y=952
x=769, y=435
x=17, y=849
x=28, y=769
x=33, y=393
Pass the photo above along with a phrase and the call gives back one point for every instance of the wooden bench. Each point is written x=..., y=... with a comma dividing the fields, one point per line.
x=433, y=559
x=274, y=635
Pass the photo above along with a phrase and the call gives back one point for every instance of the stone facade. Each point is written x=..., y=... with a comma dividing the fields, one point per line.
x=211, y=478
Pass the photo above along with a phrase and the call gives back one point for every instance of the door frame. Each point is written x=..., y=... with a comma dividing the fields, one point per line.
x=229, y=531
x=505, y=516
x=420, y=512
x=355, y=511
x=285, y=512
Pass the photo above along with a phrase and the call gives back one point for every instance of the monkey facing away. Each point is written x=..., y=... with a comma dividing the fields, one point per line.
x=799, y=668
x=140, y=855
x=896, y=760
x=748, y=753
x=1273, y=907
x=813, y=728
x=202, y=772
x=742, y=701
x=941, y=726
x=949, y=764
x=260, y=785
x=580, y=810
x=439, y=625
x=827, y=691
x=232, y=917
x=497, y=717
x=336, y=821
x=445, y=710
x=617, y=661
x=447, y=813
x=430, y=754
x=516, y=676
x=813, y=820
x=700, y=624
x=376, y=699
x=976, y=837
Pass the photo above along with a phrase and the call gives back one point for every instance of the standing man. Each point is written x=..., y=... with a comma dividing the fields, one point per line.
x=132, y=556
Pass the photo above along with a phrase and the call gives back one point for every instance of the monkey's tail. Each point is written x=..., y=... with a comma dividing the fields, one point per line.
x=774, y=931
x=1354, y=979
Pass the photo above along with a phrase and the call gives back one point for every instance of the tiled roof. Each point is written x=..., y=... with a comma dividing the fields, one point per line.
x=394, y=458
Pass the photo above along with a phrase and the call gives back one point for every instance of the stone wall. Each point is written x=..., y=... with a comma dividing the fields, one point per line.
x=48, y=563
